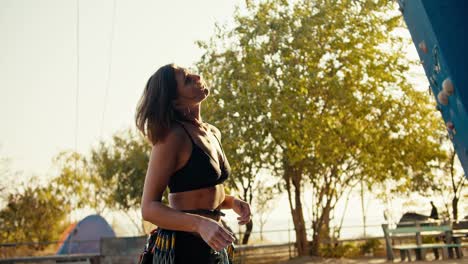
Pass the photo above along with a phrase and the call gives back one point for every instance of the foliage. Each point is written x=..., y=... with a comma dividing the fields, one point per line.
x=10, y=179
x=316, y=91
x=76, y=184
x=121, y=165
x=430, y=239
x=340, y=250
x=350, y=249
x=450, y=184
x=370, y=245
x=4, y=173
x=264, y=202
x=110, y=177
x=35, y=215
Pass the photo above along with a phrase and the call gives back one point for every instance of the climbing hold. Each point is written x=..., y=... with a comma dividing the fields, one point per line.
x=447, y=86
x=443, y=98
x=432, y=80
x=437, y=67
x=451, y=128
x=422, y=46
x=450, y=125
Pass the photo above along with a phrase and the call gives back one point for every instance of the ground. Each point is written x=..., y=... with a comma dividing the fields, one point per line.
x=316, y=260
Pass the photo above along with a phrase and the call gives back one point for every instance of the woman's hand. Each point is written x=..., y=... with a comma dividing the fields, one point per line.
x=214, y=234
x=243, y=210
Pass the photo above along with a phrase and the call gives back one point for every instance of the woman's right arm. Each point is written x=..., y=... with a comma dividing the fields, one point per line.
x=162, y=164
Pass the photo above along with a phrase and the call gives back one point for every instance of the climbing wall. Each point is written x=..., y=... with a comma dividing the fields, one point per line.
x=439, y=30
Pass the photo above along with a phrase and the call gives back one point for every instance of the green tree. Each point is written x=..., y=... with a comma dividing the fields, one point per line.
x=34, y=215
x=264, y=202
x=10, y=179
x=120, y=165
x=4, y=174
x=322, y=86
x=246, y=142
x=450, y=183
x=77, y=184
x=446, y=181
x=458, y=182
x=111, y=177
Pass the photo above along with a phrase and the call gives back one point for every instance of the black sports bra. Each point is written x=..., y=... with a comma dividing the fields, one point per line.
x=200, y=171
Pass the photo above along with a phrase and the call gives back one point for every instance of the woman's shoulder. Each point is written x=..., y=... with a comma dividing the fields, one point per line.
x=174, y=137
x=214, y=130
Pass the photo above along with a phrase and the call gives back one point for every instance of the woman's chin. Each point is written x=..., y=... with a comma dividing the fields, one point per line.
x=205, y=93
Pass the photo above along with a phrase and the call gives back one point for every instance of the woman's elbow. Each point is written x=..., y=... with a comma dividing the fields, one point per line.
x=145, y=211
x=148, y=210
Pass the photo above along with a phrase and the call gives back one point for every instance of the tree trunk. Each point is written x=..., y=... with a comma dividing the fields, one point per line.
x=248, y=231
x=364, y=222
x=455, y=208
x=294, y=177
x=321, y=227
x=325, y=228
x=261, y=232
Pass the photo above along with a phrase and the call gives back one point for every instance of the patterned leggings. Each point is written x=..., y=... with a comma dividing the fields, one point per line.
x=190, y=248
x=179, y=247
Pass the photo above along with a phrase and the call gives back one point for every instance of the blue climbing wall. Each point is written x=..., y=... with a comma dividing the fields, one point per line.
x=439, y=29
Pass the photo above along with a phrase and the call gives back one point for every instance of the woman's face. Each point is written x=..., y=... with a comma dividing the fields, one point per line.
x=190, y=87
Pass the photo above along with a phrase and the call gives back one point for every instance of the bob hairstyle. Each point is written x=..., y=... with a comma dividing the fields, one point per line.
x=155, y=112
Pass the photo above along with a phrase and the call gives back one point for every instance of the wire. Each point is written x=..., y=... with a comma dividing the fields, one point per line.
x=77, y=71
x=109, y=69
x=77, y=87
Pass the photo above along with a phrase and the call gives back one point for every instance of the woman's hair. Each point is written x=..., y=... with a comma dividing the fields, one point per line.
x=155, y=112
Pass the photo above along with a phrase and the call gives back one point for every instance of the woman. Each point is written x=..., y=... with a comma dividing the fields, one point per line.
x=187, y=157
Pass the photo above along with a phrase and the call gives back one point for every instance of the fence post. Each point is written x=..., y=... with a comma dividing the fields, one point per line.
x=241, y=258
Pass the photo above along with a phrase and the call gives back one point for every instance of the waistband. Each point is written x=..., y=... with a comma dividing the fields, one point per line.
x=215, y=212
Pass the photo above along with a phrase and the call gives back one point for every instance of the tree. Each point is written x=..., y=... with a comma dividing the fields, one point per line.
x=246, y=143
x=110, y=177
x=121, y=167
x=4, y=174
x=10, y=179
x=263, y=203
x=34, y=215
x=457, y=181
x=450, y=183
x=77, y=185
x=445, y=181
x=322, y=86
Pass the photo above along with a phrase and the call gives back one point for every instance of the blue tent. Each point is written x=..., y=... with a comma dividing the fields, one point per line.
x=85, y=236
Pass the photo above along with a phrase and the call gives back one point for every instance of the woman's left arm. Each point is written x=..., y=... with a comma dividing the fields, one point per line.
x=240, y=207
x=228, y=201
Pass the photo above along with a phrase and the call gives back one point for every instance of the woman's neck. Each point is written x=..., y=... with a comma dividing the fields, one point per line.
x=192, y=114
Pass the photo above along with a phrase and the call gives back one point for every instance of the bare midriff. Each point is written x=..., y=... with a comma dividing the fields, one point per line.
x=207, y=198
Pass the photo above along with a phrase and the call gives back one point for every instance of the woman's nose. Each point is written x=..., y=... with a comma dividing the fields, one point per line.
x=196, y=77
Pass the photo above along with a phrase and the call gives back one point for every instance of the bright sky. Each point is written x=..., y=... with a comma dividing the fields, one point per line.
x=38, y=73
x=38, y=67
